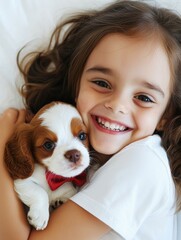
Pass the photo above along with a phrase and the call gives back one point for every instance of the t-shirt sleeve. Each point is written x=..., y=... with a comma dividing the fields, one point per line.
x=130, y=187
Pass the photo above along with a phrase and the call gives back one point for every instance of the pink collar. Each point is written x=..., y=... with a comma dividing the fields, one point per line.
x=55, y=181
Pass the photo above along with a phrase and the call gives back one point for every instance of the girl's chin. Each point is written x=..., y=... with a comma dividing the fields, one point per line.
x=105, y=149
x=105, y=143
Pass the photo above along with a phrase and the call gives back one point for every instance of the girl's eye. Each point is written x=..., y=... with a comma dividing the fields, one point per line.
x=102, y=83
x=82, y=136
x=49, y=145
x=144, y=98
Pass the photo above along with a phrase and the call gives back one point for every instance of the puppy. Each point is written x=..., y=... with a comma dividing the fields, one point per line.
x=44, y=156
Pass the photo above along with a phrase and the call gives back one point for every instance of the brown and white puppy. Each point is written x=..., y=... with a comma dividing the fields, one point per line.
x=52, y=147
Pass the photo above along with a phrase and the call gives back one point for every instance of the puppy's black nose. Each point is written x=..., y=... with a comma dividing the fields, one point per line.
x=73, y=155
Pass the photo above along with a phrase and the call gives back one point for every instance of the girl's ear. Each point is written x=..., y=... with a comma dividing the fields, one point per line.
x=161, y=124
x=18, y=153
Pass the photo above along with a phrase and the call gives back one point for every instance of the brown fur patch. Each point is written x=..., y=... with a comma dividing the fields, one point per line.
x=77, y=127
x=24, y=148
x=41, y=135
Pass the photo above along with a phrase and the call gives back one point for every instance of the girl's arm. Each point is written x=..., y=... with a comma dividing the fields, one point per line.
x=71, y=222
x=13, y=223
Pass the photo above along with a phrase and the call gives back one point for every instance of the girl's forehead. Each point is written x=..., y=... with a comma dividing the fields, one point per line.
x=119, y=42
x=124, y=49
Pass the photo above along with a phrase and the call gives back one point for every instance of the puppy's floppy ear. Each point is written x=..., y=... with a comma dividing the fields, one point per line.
x=18, y=153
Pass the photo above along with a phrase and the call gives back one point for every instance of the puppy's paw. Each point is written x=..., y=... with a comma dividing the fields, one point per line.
x=56, y=203
x=38, y=217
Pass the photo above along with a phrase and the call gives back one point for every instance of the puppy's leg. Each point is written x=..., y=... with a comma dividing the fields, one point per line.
x=62, y=194
x=36, y=198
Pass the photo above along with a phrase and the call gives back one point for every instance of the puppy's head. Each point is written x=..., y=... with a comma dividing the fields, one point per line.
x=55, y=138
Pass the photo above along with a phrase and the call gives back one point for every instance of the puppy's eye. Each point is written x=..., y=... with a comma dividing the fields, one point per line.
x=49, y=145
x=82, y=136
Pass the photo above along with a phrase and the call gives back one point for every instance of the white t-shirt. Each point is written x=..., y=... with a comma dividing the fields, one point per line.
x=134, y=193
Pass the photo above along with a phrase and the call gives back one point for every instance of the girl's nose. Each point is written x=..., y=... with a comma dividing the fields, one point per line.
x=117, y=104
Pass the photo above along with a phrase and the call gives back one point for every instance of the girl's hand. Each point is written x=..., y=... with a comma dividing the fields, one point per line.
x=8, y=122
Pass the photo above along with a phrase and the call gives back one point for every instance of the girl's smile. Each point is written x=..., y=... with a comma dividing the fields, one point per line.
x=124, y=91
x=108, y=126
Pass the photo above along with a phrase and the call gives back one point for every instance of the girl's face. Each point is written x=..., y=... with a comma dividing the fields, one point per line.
x=124, y=91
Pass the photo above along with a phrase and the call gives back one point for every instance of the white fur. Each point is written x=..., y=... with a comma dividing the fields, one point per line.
x=34, y=191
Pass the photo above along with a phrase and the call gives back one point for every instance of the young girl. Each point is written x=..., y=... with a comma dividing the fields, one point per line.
x=121, y=67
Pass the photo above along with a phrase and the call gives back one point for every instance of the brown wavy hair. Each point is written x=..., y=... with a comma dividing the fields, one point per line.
x=54, y=74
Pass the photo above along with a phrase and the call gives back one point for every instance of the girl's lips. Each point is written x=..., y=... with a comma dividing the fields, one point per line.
x=108, y=126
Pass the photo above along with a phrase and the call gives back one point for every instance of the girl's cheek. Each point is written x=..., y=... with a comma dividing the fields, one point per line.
x=81, y=106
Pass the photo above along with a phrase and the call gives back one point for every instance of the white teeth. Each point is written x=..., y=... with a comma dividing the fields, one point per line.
x=99, y=120
x=107, y=124
x=111, y=126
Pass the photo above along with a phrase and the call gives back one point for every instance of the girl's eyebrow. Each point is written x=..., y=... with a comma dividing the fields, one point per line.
x=108, y=71
x=153, y=87
x=100, y=69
